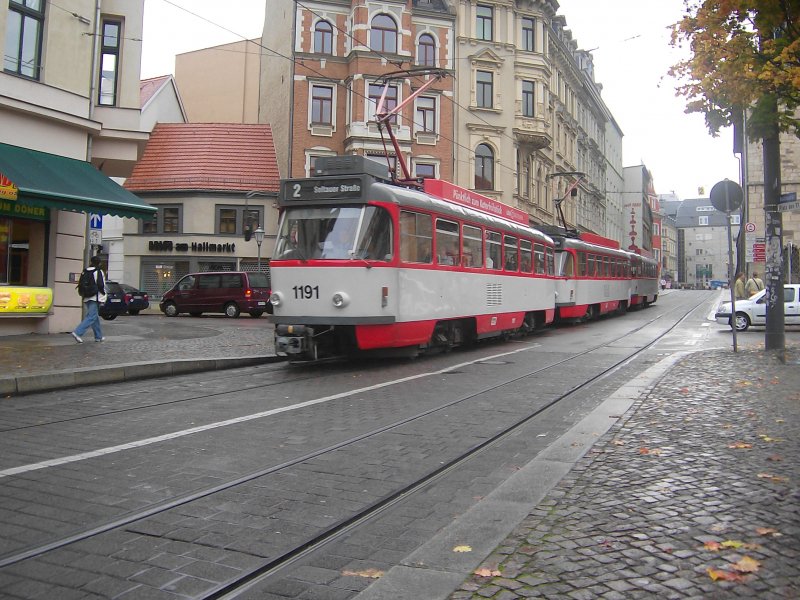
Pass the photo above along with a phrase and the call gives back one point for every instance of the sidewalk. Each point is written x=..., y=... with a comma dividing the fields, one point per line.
x=692, y=494
x=136, y=347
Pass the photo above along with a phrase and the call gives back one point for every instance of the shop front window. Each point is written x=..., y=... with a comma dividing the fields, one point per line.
x=5, y=244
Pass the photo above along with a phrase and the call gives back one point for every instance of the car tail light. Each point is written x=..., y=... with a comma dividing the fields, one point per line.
x=248, y=293
x=144, y=296
x=128, y=298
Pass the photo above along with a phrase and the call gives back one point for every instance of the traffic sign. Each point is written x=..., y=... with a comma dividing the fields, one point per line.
x=788, y=206
x=95, y=221
x=95, y=237
x=749, y=227
x=726, y=196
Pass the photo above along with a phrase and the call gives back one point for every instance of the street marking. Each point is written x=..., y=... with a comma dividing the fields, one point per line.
x=54, y=462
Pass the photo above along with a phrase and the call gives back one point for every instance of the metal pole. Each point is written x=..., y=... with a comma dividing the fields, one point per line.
x=731, y=274
x=258, y=263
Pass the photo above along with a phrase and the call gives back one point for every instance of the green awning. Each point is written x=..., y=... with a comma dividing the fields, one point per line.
x=62, y=183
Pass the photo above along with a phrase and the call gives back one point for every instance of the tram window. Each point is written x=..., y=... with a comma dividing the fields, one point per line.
x=551, y=261
x=473, y=248
x=494, y=251
x=375, y=240
x=538, y=255
x=606, y=267
x=447, y=244
x=590, y=265
x=582, y=264
x=525, y=256
x=568, y=268
x=510, y=249
x=416, y=237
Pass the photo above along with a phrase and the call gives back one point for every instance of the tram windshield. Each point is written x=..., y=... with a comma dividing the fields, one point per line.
x=337, y=233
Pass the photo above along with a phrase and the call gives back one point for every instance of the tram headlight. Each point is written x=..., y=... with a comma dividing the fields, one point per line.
x=275, y=299
x=340, y=299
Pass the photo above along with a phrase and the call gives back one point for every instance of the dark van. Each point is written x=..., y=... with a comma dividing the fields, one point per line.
x=228, y=292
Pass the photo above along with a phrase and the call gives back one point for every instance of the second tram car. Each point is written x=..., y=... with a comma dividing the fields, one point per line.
x=596, y=277
x=363, y=264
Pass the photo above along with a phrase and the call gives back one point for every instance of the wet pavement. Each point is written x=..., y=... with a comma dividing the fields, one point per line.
x=693, y=494
x=145, y=345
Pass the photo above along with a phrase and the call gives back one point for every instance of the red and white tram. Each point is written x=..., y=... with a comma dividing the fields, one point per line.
x=363, y=264
x=596, y=277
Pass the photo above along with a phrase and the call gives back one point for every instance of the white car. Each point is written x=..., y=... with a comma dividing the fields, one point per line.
x=753, y=311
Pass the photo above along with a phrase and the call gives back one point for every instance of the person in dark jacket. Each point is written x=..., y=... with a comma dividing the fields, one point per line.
x=92, y=318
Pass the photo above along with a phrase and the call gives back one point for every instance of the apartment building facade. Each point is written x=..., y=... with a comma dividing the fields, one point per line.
x=69, y=112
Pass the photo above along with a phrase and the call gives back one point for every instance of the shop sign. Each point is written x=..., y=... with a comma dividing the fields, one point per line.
x=170, y=246
x=21, y=210
x=16, y=300
x=8, y=191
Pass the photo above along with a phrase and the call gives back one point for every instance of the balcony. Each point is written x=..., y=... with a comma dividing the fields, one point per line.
x=532, y=133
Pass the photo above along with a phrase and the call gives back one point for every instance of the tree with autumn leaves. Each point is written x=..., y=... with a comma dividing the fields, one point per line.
x=745, y=55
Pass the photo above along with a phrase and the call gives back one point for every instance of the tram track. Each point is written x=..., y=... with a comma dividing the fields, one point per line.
x=369, y=511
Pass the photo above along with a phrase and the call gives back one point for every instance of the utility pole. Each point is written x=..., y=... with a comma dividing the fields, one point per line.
x=775, y=336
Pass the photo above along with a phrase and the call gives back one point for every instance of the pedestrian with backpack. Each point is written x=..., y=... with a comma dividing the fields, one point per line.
x=92, y=288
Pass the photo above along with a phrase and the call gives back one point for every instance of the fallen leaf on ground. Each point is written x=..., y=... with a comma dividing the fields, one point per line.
x=653, y=451
x=488, y=573
x=773, y=478
x=775, y=458
x=747, y=565
x=740, y=445
x=462, y=549
x=732, y=544
x=368, y=573
x=618, y=442
x=768, y=531
x=724, y=575
x=713, y=546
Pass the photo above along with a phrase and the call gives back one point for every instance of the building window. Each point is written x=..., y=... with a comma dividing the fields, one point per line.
x=426, y=114
x=168, y=220
x=24, y=32
x=383, y=34
x=425, y=171
x=109, y=62
x=484, y=168
x=528, y=95
x=702, y=220
x=736, y=219
x=427, y=51
x=323, y=38
x=484, y=89
x=321, y=105
x=483, y=22
x=528, y=38
x=232, y=220
x=389, y=102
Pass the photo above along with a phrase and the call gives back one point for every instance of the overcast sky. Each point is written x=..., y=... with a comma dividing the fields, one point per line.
x=631, y=53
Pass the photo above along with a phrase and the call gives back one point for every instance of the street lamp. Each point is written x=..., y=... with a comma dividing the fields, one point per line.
x=259, y=235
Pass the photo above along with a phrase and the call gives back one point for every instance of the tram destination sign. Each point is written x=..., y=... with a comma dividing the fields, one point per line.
x=316, y=189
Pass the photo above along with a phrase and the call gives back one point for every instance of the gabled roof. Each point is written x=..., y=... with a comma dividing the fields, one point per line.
x=207, y=157
x=149, y=87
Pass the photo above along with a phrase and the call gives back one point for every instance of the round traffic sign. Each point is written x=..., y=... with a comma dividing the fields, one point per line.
x=727, y=196
x=749, y=227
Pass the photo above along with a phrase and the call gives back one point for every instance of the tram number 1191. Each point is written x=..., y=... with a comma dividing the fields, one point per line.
x=306, y=292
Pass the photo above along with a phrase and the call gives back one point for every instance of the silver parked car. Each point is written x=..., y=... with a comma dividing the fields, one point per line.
x=753, y=310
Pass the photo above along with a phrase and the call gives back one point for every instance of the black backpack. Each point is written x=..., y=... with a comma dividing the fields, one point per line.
x=87, y=284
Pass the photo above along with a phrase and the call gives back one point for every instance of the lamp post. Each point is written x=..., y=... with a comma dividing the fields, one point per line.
x=259, y=235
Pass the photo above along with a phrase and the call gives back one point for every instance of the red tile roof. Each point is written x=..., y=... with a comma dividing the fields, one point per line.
x=206, y=157
x=148, y=87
